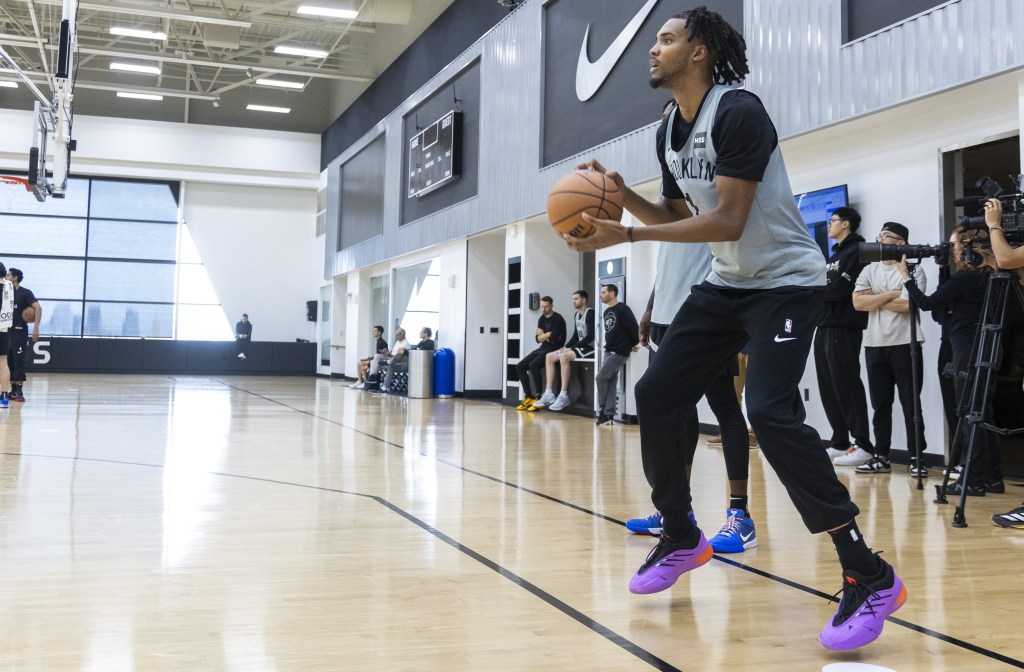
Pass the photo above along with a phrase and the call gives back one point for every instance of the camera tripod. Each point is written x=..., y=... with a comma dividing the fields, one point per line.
x=974, y=398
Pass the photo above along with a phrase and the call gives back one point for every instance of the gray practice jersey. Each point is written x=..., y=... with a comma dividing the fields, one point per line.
x=680, y=267
x=775, y=249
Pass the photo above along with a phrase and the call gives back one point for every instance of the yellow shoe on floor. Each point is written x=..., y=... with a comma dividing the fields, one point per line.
x=527, y=402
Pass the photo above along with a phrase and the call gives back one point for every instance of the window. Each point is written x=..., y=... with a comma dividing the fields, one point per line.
x=105, y=261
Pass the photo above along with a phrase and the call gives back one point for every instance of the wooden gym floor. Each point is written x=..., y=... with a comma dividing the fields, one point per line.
x=258, y=524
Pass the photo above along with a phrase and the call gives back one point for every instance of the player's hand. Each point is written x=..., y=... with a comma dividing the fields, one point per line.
x=608, y=233
x=35, y=336
x=594, y=165
x=645, y=330
x=993, y=212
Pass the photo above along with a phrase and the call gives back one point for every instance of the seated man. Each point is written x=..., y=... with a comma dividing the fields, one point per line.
x=380, y=346
x=400, y=362
x=550, y=335
x=580, y=346
x=401, y=345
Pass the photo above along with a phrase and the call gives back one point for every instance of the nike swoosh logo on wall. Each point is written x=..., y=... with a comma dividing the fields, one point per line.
x=590, y=76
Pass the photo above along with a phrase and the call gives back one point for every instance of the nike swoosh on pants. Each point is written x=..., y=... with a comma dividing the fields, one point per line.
x=590, y=76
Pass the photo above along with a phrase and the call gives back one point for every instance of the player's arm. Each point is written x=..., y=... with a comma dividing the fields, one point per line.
x=723, y=223
x=650, y=213
x=39, y=318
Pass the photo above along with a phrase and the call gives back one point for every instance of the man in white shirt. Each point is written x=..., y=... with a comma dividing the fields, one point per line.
x=879, y=292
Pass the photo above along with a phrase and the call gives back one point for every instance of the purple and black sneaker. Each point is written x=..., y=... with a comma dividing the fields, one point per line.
x=666, y=563
x=863, y=609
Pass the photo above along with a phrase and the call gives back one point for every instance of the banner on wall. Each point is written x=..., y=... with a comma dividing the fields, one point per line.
x=596, y=63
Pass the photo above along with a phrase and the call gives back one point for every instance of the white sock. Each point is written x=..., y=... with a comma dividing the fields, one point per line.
x=563, y=395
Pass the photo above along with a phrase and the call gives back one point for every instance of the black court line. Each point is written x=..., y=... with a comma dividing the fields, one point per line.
x=739, y=565
x=532, y=588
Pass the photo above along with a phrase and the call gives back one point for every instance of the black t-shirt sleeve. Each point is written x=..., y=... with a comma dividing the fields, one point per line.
x=744, y=136
x=669, y=188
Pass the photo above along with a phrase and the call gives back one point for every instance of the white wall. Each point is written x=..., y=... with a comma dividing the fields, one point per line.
x=485, y=283
x=259, y=248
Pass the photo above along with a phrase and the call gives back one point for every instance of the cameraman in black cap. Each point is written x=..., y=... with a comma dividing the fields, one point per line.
x=880, y=293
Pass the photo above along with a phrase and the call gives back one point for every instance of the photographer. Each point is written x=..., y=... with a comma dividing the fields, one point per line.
x=964, y=296
x=1007, y=257
x=887, y=353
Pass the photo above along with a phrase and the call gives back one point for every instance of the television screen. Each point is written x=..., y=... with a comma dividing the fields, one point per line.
x=816, y=208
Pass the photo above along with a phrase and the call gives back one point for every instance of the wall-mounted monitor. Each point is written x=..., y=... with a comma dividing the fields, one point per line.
x=816, y=208
x=435, y=155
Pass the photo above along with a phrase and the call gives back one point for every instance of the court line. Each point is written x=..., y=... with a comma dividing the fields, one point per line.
x=530, y=587
x=949, y=639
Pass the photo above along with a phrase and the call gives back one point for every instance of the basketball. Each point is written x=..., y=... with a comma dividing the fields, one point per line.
x=29, y=315
x=583, y=191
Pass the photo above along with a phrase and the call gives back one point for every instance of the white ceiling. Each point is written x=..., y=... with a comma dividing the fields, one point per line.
x=213, y=53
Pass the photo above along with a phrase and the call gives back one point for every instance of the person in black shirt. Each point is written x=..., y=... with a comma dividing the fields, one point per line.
x=243, y=335
x=581, y=345
x=964, y=296
x=551, y=336
x=838, y=338
x=380, y=346
x=621, y=336
x=23, y=298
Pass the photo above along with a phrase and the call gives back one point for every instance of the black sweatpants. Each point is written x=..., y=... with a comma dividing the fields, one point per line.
x=888, y=368
x=18, y=353
x=532, y=363
x=709, y=330
x=721, y=396
x=837, y=363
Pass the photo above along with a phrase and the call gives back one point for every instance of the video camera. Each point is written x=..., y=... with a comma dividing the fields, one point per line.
x=1012, y=224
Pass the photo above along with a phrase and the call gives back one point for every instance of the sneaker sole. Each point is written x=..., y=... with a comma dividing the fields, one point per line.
x=870, y=634
x=655, y=581
x=722, y=548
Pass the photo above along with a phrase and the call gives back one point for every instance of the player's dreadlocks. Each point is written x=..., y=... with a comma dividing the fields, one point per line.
x=726, y=45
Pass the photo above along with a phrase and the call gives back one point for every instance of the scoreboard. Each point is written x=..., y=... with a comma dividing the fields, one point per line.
x=435, y=155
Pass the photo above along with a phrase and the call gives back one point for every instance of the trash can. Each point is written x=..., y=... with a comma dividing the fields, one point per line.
x=420, y=373
x=444, y=373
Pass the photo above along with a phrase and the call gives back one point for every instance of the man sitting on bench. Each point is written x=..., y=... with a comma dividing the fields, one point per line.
x=580, y=346
x=400, y=362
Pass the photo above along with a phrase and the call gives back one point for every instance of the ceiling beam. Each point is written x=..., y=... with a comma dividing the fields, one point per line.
x=159, y=13
x=298, y=72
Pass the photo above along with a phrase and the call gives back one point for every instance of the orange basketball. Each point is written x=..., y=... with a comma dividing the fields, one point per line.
x=583, y=191
x=29, y=315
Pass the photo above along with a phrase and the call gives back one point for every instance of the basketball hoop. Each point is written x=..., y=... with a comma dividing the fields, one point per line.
x=9, y=188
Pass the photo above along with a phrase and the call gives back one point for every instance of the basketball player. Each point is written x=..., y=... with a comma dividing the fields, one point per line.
x=580, y=346
x=6, y=322
x=23, y=298
x=724, y=182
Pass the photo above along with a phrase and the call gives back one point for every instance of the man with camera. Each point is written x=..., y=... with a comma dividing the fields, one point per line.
x=879, y=292
x=1008, y=257
x=837, y=347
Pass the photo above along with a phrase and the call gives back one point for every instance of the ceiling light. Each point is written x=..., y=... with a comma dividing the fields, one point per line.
x=333, y=12
x=131, y=32
x=139, y=96
x=8, y=85
x=298, y=51
x=280, y=83
x=268, y=108
x=133, y=67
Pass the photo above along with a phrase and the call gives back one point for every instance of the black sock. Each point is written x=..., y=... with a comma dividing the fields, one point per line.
x=679, y=534
x=737, y=502
x=854, y=554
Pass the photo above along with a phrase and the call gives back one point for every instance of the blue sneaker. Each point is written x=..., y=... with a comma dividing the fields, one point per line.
x=737, y=535
x=651, y=524
x=4, y=403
